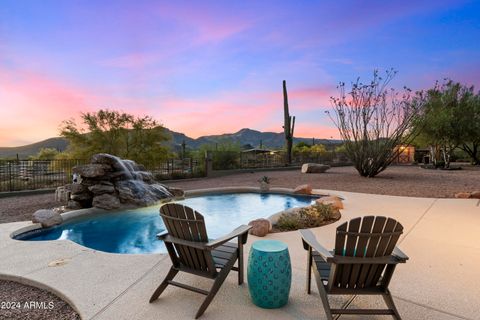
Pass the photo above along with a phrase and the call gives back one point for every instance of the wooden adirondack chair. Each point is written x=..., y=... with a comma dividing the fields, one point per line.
x=362, y=263
x=191, y=251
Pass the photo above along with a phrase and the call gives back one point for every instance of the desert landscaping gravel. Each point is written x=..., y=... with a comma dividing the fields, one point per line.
x=409, y=181
x=19, y=301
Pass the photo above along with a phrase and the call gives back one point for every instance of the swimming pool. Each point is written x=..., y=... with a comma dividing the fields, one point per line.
x=134, y=231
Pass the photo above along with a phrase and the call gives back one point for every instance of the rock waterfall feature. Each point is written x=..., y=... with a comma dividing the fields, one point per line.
x=109, y=182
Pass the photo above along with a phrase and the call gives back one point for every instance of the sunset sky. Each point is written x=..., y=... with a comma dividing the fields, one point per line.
x=209, y=67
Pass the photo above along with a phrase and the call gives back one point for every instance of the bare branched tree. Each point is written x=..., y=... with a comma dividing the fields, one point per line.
x=375, y=121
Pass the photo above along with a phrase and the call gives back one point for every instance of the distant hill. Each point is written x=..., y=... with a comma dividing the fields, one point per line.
x=245, y=136
x=24, y=151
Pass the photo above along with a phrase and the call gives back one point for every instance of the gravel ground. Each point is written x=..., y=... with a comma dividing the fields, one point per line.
x=20, y=208
x=410, y=181
x=19, y=301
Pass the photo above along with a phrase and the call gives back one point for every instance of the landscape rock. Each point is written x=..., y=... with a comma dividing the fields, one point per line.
x=475, y=195
x=260, y=227
x=92, y=170
x=47, y=217
x=98, y=189
x=176, y=192
x=74, y=205
x=463, y=195
x=314, y=168
x=81, y=197
x=108, y=177
x=78, y=188
x=334, y=201
x=106, y=201
x=62, y=194
x=303, y=189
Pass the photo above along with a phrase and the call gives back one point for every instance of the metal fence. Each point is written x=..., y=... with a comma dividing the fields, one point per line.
x=17, y=175
x=176, y=169
x=225, y=160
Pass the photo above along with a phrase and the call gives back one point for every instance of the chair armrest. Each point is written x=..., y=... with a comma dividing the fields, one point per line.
x=162, y=234
x=193, y=244
x=366, y=260
x=242, y=230
x=309, y=240
x=397, y=253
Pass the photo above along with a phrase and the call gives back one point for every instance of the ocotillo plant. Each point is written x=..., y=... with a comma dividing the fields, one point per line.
x=288, y=124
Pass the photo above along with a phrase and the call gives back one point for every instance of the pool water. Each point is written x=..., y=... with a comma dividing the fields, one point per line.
x=134, y=231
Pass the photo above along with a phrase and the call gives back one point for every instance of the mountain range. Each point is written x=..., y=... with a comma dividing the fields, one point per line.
x=245, y=137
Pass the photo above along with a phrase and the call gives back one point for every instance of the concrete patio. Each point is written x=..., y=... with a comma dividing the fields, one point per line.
x=440, y=281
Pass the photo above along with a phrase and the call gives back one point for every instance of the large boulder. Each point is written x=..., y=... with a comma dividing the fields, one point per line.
x=260, y=227
x=47, y=217
x=334, y=201
x=92, y=170
x=314, y=168
x=303, y=189
x=102, y=188
x=106, y=201
x=78, y=188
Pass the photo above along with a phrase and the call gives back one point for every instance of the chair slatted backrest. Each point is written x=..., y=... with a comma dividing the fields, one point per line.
x=185, y=223
x=366, y=238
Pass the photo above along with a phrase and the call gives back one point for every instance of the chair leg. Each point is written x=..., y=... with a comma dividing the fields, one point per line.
x=240, y=262
x=216, y=286
x=387, y=297
x=309, y=271
x=170, y=275
x=323, y=294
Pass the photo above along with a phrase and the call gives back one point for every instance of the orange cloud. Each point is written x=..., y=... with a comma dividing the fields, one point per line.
x=33, y=105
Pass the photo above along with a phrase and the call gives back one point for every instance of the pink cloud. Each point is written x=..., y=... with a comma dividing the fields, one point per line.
x=33, y=105
x=312, y=98
x=209, y=26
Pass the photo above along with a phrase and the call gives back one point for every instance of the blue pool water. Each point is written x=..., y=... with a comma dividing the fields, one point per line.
x=134, y=231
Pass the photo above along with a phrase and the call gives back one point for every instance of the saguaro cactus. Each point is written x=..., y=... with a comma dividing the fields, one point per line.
x=288, y=124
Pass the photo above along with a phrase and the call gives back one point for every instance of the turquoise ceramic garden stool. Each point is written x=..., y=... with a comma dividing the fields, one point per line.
x=269, y=273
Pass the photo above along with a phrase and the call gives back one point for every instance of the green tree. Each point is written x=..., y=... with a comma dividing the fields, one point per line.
x=45, y=154
x=225, y=154
x=470, y=118
x=106, y=131
x=447, y=120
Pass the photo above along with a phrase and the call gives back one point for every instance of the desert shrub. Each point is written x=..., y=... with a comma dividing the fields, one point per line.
x=288, y=222
x=308, y=217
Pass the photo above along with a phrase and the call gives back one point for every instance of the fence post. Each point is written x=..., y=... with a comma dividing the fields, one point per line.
x=10, y=176
x=190, y=160
x=208, y=163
